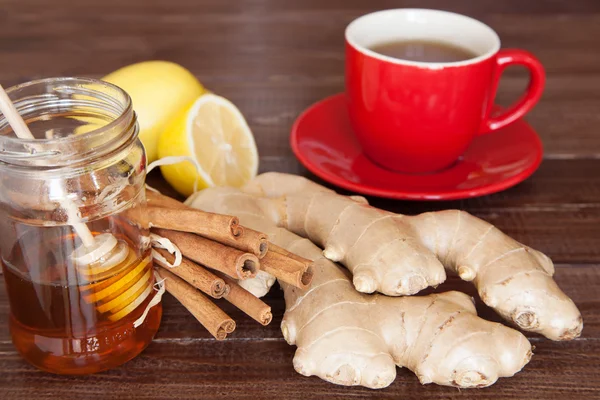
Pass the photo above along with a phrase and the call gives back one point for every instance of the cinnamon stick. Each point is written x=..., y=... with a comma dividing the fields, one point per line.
x=205, y=311
x=168, y=213
x=247, y=302
x=221, y=228
x=230, y=261
x=195, y=275
x=253, y=241
x=288, y=267
x=281, y=250
x=156, y=199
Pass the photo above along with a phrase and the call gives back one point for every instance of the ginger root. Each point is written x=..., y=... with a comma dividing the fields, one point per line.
x=401, y=255
x=352, y=338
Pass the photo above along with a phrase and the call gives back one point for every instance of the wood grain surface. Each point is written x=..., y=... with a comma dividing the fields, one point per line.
x=273, y=58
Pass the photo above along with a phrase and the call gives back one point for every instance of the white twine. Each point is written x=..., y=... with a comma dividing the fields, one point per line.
x=159, y=286
x=176, y=160
x=160, y=242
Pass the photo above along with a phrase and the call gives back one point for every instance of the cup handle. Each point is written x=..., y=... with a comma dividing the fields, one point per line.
x=505, y=58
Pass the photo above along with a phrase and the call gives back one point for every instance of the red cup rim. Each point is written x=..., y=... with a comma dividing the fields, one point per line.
x=437, y=65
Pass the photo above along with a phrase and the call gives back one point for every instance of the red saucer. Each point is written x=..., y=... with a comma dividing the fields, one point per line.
x=323, y=141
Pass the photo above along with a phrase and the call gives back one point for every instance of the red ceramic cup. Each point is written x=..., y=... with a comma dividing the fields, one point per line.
x=417, y=116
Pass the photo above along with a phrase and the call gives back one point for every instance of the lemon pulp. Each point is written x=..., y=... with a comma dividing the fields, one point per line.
x=216, y=143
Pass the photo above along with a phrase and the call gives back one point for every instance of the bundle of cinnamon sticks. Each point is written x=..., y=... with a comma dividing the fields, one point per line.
x=217, y=251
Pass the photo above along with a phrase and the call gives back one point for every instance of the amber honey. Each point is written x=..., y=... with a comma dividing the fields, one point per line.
x=74, y=319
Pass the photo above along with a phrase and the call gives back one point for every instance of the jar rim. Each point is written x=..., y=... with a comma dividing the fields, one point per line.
x=97, y=131
x=13, y=149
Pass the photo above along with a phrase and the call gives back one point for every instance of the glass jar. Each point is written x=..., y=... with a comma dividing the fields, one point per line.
x=69, y=313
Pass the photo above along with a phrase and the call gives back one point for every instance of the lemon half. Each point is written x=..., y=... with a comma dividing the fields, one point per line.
x=215, y=144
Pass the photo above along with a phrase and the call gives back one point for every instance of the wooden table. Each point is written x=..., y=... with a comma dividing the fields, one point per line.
x=273, y=58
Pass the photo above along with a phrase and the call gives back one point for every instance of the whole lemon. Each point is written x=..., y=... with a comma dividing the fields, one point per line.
x=160, y=90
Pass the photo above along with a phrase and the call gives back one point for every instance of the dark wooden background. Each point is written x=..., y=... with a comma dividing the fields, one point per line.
x=273, y=58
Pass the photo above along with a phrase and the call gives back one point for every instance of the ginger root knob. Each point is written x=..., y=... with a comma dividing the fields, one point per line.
x=289, y=333
x=470, y=379
x=526, y=320
x=364, y=282
x=466, y=273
